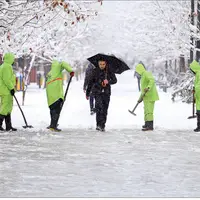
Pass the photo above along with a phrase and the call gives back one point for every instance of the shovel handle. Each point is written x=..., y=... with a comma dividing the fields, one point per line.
x=193, y=105
x=21, y=110
x=132, y=112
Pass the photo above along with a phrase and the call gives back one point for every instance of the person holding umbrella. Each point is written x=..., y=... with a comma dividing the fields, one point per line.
x=54, y=91
x=99, y=84
x=103, y=76
x=149, y=95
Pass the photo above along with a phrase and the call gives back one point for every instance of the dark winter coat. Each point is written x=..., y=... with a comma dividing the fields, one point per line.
x=87, y=75
x=95, y=81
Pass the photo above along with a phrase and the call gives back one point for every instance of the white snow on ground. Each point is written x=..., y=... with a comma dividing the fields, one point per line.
x=81, y=162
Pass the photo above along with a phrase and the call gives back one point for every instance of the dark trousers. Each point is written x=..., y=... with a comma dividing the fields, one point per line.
x=55, y=112
x=101, y=105
x=198, y=118
x=91, y=102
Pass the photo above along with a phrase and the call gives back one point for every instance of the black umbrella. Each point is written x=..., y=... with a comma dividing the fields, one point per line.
x=115, y=64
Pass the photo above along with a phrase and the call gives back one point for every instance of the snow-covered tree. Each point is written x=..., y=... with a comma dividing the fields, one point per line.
x=45, y=26
x=157, y=29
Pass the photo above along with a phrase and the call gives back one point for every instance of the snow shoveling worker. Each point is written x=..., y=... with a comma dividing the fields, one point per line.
x=195, y=68
x=7, y=91
x=148, y=89
x=54, y=90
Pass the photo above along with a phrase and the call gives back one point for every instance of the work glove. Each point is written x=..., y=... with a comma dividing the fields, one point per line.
x=140, y=100
x=71, y=74
x=146, y=89
x=12, y=92
x=104, y=83
x=87, y=97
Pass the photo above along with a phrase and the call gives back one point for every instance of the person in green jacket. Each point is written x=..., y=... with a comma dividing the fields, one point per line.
x=195, y=68
x=148, y=88
x=54, y=90
x=7, y=91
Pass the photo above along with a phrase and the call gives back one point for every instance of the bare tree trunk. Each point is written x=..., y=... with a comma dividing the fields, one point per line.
x=198, y=26
x=175, y=65
x=27, y=79
x=1, y=59
x=166, y=73
x=191, y=38
x=182, y=63
x=23, y=80
x=46, y=70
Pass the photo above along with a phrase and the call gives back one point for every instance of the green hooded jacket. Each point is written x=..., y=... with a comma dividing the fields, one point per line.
x=7, y=76
x=195, y=67
x=54, y=83
x=147, y=81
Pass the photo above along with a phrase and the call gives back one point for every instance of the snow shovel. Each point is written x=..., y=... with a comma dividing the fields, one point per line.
x=193, y=116
x=65, y=95
x=26, y=126
x=132, y=112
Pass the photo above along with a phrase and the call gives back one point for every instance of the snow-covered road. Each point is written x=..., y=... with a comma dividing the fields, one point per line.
x=86, y=163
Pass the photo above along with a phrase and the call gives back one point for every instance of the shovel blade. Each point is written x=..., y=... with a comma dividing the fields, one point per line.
x=192, y=117
x=132, y=112
x=28, y=126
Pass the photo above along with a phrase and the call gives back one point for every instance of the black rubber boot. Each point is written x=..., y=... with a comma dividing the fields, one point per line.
x=149, y=126
x=197, y=129
x=48, y=127
x=1, y=122
x=51, y=114
x=198, y=122
x=54, y=121
x=145, y=125
x=100, y=127
x=103, y=128
x=9, y=123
